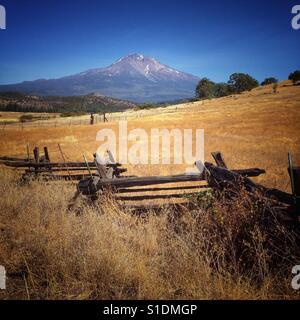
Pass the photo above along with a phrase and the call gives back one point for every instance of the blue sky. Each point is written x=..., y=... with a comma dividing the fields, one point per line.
x=50, y=39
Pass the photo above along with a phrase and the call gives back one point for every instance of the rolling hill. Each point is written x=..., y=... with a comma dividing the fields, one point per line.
x=15, y=101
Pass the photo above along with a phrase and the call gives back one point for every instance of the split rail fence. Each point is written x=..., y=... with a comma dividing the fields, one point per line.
x=99, y=176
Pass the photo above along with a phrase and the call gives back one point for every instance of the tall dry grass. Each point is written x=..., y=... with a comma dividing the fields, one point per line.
x=214, y=250
x=218, y=249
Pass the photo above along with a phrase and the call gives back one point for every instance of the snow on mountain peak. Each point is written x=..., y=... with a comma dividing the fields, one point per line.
x=134, y=77
x=148, y=67
x=136, y=64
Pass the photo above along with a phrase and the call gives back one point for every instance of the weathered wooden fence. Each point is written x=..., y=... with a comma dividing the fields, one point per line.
x=217, y=177
x=97, y=177
x=40, y=167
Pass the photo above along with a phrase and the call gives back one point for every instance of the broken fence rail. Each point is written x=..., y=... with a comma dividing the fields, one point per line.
x=42, y=168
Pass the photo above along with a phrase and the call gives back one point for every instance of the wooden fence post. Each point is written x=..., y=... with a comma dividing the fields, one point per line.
x=294, y=173
x=36, y=153
x=92, y=119
x=46, y=154
x=101, y=169
x=219, y=159
x=104, y=117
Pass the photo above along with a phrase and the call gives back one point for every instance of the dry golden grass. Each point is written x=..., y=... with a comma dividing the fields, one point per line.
x=253, y=129
x=215, y=251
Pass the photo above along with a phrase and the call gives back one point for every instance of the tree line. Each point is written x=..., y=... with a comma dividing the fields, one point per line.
x=237, y=83
x=19, y=102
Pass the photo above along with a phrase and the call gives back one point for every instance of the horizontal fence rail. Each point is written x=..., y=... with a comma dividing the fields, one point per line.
x=97, y=177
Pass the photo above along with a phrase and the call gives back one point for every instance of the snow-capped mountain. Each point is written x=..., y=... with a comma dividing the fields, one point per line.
x=134, y=77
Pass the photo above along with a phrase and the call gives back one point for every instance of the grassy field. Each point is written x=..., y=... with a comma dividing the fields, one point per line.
x=253, y=129
x=217, y=251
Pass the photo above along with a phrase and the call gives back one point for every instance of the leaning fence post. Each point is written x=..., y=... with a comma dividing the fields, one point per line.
x=36, y=153
x=219, y=159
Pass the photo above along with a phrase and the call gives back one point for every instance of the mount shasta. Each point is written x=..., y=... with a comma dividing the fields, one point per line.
x=135, y=77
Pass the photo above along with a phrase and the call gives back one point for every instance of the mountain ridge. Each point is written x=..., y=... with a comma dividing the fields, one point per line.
x=134, y=77
x=20, y=102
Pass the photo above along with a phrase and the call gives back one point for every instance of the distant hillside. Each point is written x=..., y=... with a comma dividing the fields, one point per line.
x=135, y=77
x=16, y=101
